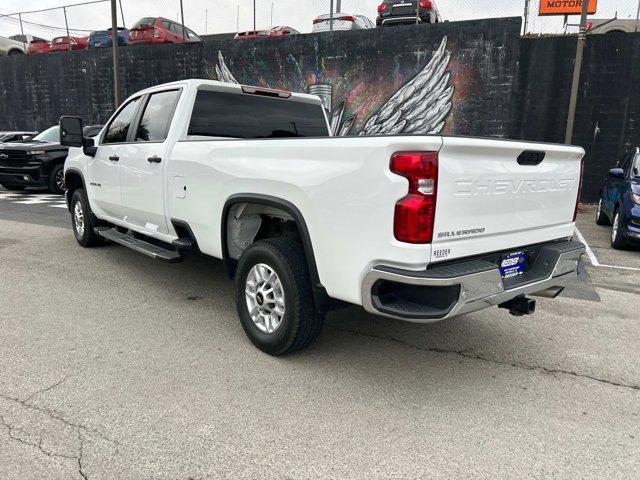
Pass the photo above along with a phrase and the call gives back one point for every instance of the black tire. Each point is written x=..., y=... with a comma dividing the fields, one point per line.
x=86, y=236
x=301, y=322
x=15, y=188
x=601, y=217
x=618, y=240
x=55, y=181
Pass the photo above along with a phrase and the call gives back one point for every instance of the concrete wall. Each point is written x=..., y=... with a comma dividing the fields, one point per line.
x=608, y=109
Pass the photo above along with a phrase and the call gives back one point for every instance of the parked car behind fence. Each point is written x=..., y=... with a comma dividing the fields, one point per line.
x=151, y=30
x=39, y=46
x=11, y=47
x=341, y=21
x=399, y=12
x=63, y=44
x=103, y=38
x=269, y=32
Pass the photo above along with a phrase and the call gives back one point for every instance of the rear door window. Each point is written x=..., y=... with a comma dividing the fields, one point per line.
x=239, y=115
x=119, y=127
x=157, y=115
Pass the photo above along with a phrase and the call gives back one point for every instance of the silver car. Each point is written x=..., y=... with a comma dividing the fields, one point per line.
x=341, y=21
x=12, y=47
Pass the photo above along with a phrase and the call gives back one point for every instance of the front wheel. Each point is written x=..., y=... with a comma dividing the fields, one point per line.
x=618, y=241
x=601, y=217
x=82, y=221
x=55, y=182
x=274, y=298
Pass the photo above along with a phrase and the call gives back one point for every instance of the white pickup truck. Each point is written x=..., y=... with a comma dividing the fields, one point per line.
x=418, y=228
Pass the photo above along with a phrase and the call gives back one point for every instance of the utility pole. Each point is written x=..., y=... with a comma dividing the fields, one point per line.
x=331, y=16
x=254, y=15
x=338, y=6
x=66, y=24
x=114, y=49
x=184, y=31
x=527, y=5
x=271, y=14
x=577, y=68
x=206, y=20
x=238, y=20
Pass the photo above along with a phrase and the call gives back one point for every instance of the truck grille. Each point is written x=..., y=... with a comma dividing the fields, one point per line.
x=13, y=158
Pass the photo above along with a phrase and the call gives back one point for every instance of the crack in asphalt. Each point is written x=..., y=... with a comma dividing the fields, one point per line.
x=56, y=416
x=466, y=353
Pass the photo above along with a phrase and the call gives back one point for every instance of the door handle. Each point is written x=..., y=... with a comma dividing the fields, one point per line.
x=114, y=158
x=154, y=159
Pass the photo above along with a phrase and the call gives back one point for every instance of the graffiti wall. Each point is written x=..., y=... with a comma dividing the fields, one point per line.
x=454, y=78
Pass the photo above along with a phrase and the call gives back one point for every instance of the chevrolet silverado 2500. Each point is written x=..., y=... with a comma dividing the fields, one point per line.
x=419, y=228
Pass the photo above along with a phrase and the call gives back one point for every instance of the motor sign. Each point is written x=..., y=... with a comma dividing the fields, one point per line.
x=566, y=7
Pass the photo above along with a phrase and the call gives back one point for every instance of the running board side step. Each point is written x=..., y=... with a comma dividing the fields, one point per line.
x=149, y=249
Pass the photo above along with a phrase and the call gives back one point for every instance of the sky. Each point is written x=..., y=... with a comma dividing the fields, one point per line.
x=217, y=16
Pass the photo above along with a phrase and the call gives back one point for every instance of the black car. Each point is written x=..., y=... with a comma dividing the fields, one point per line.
x=399, y=12
x=37, y=162
x=16, y=136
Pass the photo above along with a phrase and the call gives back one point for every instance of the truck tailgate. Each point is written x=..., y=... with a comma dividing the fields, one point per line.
x=495, y=195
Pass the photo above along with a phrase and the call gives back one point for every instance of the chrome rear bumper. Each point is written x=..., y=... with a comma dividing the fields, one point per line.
x=467, y=286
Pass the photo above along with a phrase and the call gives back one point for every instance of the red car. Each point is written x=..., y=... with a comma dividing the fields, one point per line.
x=61, y=44
x=271, y=32
x=160, y=30
x=39, y=46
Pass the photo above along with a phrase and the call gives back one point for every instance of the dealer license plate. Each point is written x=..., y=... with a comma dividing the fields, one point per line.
x=513, y=264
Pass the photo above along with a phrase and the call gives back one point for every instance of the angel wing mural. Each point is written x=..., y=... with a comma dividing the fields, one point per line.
x=420, y=107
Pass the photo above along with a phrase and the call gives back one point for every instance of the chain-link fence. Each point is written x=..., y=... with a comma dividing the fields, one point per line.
x=230, y=16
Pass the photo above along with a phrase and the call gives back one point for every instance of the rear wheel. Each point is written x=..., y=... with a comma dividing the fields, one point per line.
x=601, y=217
x=274, y=298
x=82, y=221
x=618, y=241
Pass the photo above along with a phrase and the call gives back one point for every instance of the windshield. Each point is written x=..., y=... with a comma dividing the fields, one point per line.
x=49, y=135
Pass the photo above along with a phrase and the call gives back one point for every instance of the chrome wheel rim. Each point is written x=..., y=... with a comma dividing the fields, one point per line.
x=265, y=298
x=60, y=180
x=614, y=229
x=599, y=211
x=78, y=219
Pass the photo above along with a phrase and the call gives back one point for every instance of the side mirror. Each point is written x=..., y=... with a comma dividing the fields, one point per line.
x=72, y=135
x=616, y=173
x=71, y=132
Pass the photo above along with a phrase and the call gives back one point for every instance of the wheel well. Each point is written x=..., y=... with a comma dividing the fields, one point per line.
x=248, y=218
x=73, y=181
x=248, y=222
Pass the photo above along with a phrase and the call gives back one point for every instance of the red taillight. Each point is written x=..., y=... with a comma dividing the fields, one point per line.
x=347, y=18
x=426, y=4
x=415, y=213
x=382, y=8
x=317, y=20
x=575, y=212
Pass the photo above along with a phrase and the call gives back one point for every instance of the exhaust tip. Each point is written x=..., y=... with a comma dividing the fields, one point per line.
x=551, y=292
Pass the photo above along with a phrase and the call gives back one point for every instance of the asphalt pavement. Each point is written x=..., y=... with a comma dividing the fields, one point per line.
x=115, y=366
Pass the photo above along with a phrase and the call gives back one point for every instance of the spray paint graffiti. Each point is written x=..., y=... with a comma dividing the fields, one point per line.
x=421, y=106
